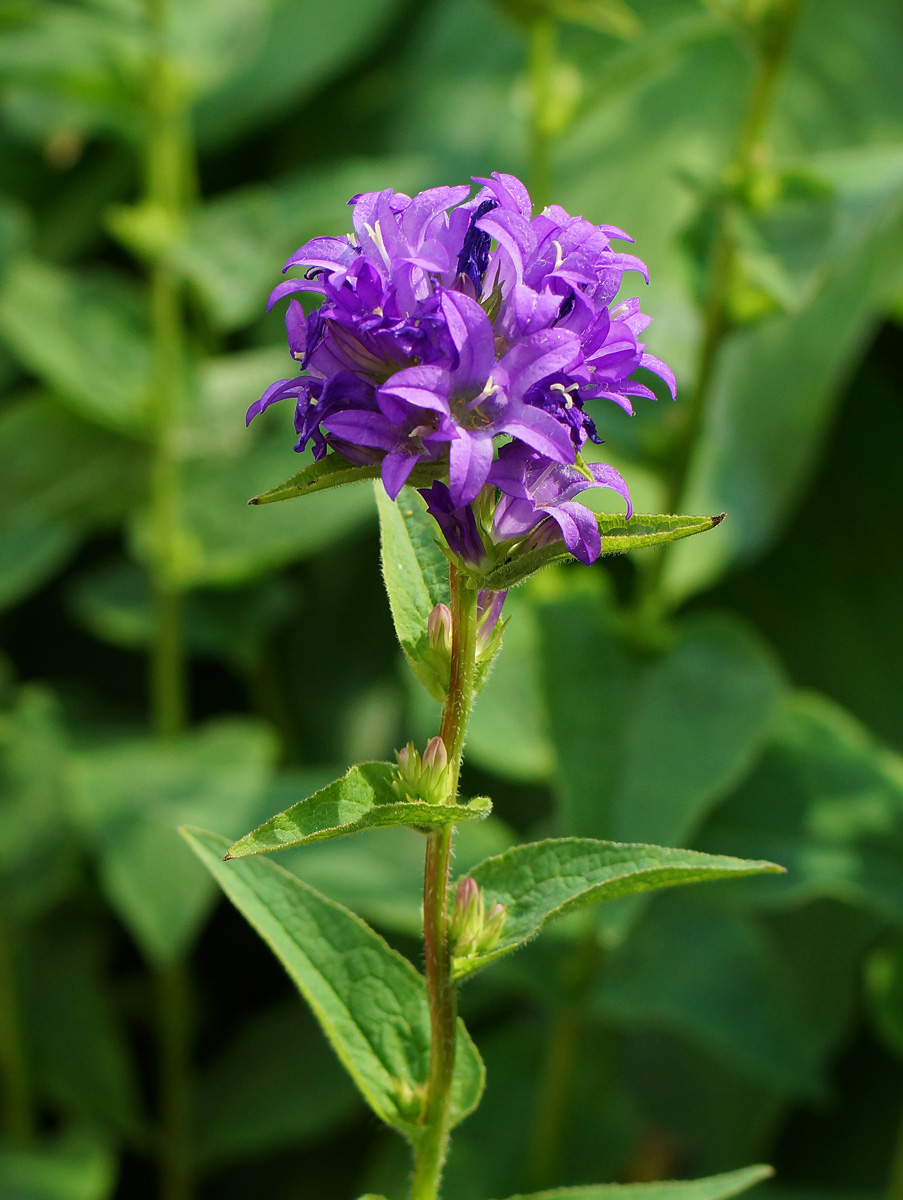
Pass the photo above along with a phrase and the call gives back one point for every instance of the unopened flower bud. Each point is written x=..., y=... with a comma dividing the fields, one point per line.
x=467, y=917
x=489, y=631
x=422, y=779
x=439, y=628
x=410, y=1100
x=492, y=929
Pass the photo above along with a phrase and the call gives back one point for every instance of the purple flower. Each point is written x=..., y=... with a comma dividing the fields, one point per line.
x=538, y=498
x=447, y=322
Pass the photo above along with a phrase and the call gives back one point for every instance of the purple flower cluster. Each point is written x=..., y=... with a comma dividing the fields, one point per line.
x=450, y=321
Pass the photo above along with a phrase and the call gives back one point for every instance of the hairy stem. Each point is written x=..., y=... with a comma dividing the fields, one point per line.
x=441, y=992
x=18, y=1103
x=770, y=56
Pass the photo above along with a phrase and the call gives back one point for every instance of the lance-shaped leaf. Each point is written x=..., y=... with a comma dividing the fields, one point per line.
x=416, y=575
x=544, y=880
x=334, y=471
x=714, y=1187
x=362, y=799
x=618, y=536
x=369, y=1000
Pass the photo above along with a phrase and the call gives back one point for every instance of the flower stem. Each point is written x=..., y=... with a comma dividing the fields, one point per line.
x=173, y=997
x=541, y=73
x=18, y=1103
x=169, y=183
x=441, y=993
x=770, y=56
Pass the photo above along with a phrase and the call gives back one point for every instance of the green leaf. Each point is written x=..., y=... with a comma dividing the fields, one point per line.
x=334, y=471
x=884, y=993
x=369, y=1000
x=62, y=477
x=71, y=1169
x=672, y=731
x=130, y=797
x=277, y=1084
x=715, y=1187
x=544, y=880
x=618, y=536
x=508, y=731
x=224, y=542
x=81, y=1055
x=273, y=79
x=38, y=857
x=828, y=798
x=362, y=799
x=416, y=576
x=755, y=451
x=84, y=337
x=713, y=975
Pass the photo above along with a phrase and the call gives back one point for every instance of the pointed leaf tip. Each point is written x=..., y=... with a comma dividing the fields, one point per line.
x=718, y=518
x=254, y=500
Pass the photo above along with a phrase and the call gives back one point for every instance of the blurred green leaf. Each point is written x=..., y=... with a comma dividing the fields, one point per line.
x=757, y=450
x=646, y=743
x=544, y=880
x=380, y=877
x=71, y=1169
x=717, y=1187
x=302, y=46
x=234, y=246
x=62, y=478
x=275, y=1085
x=415, y=572
x=618, y=536
x=828, y=800
x=38, y=859
x=884, y=992
x=697, y=967
x=82, y=1059
x=508, y=731
x=224, y=542
x=369, y=1000
x=213, y=424
x=362, y=799
x=116, y=603
x=82, y=335
x=72, y=70
x=130, y=797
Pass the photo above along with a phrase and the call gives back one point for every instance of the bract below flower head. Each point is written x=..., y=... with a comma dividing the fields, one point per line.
x=448, y=321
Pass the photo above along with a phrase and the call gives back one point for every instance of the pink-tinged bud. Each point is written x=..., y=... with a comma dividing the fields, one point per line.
x=422, y=779
x=489, y=631
x=439, y=628
x=467, y=917
x=491, y=932
x=435, y=756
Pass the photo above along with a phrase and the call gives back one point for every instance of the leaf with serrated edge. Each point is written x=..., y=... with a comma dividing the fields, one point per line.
x=361, y=799
x=714, y=1187
x=544, y=880
x=370, y=1001
x=334, y=471
x=618, y=536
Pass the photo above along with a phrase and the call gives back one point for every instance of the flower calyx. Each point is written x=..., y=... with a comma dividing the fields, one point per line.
x=473, y=930
x=425, y=778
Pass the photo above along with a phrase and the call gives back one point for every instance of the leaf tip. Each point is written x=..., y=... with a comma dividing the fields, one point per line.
x=717, y=519
x=227, y=858
x=254, y=500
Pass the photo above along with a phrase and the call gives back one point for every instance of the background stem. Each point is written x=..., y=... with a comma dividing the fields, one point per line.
x=441, y=991
x=18, y=1103
x=173, y=996
x=541, y=74
x=770, y=56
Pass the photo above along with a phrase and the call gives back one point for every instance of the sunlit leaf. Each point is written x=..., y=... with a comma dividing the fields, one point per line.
x=369, y=1000
x=544, y=880
x=716, y=1187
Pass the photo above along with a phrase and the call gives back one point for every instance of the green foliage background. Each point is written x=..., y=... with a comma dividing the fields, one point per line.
x=762, y=717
